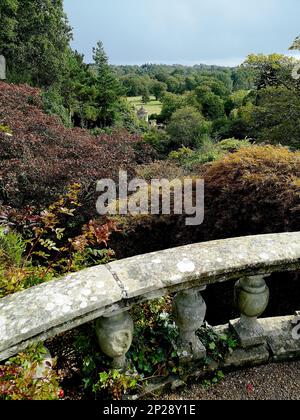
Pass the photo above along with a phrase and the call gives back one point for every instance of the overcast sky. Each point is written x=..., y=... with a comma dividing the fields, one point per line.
x=183, y=31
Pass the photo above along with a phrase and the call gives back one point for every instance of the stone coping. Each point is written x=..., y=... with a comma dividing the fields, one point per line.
x=59, y=305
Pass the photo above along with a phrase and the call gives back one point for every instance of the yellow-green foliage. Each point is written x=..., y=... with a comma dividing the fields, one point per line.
x=233, y=145
x=16, y=272
x=181, y=154
x=5, y=129
x=161, y=169
x=257, y=162
x=208, y=152
x=12, y=248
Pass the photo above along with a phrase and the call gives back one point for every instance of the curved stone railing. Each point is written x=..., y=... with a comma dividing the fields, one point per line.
x=106, y=293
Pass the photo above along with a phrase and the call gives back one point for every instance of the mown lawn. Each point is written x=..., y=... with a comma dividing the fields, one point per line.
x=153, y=107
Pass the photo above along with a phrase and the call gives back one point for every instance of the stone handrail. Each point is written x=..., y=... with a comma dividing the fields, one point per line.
x=107, y=292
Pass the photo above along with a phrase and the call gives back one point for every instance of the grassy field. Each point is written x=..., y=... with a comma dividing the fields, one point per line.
x=153, y=107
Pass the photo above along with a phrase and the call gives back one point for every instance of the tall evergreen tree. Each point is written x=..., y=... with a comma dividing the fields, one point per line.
x=8, y=23
x=40, y=33
x=108, y=87
x=296, y=44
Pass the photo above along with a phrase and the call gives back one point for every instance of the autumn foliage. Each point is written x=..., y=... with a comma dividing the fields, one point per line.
x=42, y=157
x=253, y=191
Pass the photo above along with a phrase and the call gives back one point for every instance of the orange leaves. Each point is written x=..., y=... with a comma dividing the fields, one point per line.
x=254, y=190
x=53, y=242
x=94, y=234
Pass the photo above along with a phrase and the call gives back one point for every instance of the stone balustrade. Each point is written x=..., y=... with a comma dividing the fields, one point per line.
x=2, y=68
x=106, y=294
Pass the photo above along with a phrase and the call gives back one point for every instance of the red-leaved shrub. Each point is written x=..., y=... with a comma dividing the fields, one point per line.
x=42, y=157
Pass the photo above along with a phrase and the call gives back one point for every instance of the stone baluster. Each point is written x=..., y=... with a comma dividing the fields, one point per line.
x=2, y=68
x=251, y=298
x=189, y=311
x=115, y=335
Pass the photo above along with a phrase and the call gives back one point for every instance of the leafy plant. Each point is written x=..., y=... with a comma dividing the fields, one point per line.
x=12, y=248
x=233, y=145
x=92, y=361
x=116, y=384
x=215, y=379
x=68, y=254
x=152, y=351
x=16, y=273
x=19, y=381
x=49, y=251
x=207, y=152
x=218, y=346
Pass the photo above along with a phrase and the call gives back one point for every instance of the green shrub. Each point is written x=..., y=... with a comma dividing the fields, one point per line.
x=54, y=246
x=116, y=383
x=16, y=272
x=53, y=105
x=159, y=140
x=18, y=379
x=12, y=248
x=208, y=152
x=233, y=145
x=187, y=127
x=182, y=154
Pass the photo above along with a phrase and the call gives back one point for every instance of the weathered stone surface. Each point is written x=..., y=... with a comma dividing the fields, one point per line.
x=189, y=312
x=60, y=305
x=2, y=68
x=115, y=337
x=248, y=337
x=205, y=263
x=279, y=332
x=241, y=357
x=251, y=298
x=281, y=345
x=54, y=307
x=247, y=357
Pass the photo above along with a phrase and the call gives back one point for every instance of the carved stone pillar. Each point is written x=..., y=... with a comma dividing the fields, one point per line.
x=115, y=335
x=2, y=68
x=251, y=298
x=189, y=312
